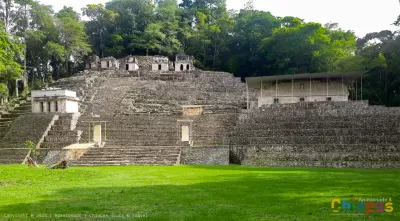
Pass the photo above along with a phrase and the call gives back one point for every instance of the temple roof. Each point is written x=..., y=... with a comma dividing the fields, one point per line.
x=346, y=76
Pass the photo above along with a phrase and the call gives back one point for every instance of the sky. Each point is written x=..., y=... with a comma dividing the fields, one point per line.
x=361, y=16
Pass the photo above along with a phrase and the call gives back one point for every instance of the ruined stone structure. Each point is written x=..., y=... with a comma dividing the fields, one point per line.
x=129, y=63
x=54, y=100
x=184, y=63
x=109, y=63
x=160, y=64
x=93, y=63
x=199, y=117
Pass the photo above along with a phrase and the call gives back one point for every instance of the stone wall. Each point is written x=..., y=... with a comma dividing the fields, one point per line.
x=205, y=155
x=28, y=127
x=322, y=135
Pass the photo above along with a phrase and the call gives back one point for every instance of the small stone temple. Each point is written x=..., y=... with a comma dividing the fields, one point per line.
x=287, y=89
x=109, y=63
x=93, y=63
x=184, y=63
x=160, y=63
x=54, y=101
x=129, y=63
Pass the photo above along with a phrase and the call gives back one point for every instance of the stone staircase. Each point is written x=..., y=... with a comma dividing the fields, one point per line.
x=135, y=130
x=320, y=135
x=110, y=156
x=22, y=107
x=62, y=133
x=12, y=156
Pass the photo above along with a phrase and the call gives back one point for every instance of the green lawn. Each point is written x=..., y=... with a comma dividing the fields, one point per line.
x=191, y=193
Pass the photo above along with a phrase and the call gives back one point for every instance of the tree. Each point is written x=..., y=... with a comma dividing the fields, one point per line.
x=153, y=37
x=100, y=20
x=10, y=52
x=72, y=37
x=250, y=28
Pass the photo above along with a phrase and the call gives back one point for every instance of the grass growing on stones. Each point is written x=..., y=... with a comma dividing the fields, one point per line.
x=190, y=193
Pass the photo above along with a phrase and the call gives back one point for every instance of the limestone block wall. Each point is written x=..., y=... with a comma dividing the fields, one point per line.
x=205, y=155
x=213, y=129
x=160, y=67
x=26, y=127
x=321, y=135
x=137, y=130
x=183, y=66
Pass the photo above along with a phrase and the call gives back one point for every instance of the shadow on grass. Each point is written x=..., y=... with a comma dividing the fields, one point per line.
x=237, y=198
x=237, y=167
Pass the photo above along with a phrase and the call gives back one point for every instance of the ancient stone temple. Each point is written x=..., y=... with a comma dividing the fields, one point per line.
x=184, y=63
x=109, y=63
x=93, y=63
x=129, y=63
x=54, y=101
x=200, y=117
x=160, y=63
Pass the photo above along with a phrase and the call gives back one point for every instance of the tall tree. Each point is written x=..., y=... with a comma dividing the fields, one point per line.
x=100, y=20
x=10, y=69
x=72, y=37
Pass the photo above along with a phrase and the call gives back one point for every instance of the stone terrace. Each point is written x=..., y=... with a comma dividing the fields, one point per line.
x=126, y=96
x=26, y=127
x=320, y=134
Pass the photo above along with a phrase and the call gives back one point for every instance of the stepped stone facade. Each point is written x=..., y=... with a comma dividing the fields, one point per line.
x=199, y=117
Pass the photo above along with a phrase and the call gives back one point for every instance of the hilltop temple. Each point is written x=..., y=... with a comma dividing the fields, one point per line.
x=143, y=110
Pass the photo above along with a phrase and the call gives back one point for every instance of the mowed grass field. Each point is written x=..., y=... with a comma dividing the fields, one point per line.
x=190, y=193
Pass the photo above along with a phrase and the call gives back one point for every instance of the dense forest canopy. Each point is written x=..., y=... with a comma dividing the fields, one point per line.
x=246, y=42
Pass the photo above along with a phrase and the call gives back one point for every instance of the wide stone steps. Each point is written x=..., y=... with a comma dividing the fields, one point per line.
x=311, y=119
x=321, y=148
x=118, y=163
x=11, y=145
x=71, y=139
x=130, y=156
x=142, y=142
x=55, y=145
x=64, y=133
x=144, y=133
x=4, y=118
x=316, y=125
x=209, y=143
x=12, y=156
x=324, y=164
x=314, y=132
x=315, y=140
x=328, y=156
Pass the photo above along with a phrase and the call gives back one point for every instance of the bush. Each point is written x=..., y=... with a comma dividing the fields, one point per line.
x=3, y=90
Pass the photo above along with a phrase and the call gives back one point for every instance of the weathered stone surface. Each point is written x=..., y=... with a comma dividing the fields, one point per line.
x=143, y=113
x=205, y=155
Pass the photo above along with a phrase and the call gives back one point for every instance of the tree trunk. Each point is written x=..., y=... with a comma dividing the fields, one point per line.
x=25, y=76
x=101, y=44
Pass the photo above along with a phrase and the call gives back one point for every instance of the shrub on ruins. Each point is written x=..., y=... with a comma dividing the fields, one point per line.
x=33, y=154
x=3, y=90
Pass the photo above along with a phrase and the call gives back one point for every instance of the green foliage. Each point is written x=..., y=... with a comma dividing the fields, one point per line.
x=10, y=51
x=3, y=90
x=32, y=148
